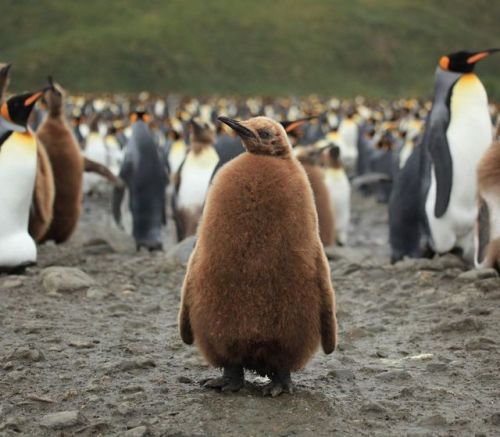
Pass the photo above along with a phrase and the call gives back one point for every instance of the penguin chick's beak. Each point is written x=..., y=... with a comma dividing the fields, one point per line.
x=481, y=55
x=241, y=130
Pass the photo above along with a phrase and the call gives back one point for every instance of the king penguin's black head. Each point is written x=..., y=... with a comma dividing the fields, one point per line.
x=18, y=108
x=463, y=62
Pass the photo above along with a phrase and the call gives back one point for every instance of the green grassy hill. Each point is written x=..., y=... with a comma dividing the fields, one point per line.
x=370, y=47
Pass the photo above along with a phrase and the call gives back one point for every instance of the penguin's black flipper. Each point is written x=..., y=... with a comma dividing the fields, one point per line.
x=441, y=158
x=483, y=229
x=116, y=204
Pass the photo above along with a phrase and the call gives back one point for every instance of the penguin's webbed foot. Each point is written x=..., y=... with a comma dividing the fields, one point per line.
x=232, y=380
x=281, y=382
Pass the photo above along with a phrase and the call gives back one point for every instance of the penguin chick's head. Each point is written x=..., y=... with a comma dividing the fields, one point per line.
x=261, y=135
x=18, y=108
x=463, y=62
x=202, y=131
x=54, y=97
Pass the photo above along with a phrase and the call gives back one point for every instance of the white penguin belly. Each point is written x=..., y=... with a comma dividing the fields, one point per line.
x=469, y=135
x=17, y=180
x=195, y=178
x=95, y=150
x=175, y=157
x=340, y=196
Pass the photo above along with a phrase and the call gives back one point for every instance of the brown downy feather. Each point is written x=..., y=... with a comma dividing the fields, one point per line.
x=67, y=165
x=41, y=214
x=257, y=291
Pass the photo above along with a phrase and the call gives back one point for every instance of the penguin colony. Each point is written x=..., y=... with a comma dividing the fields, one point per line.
x=263, y=198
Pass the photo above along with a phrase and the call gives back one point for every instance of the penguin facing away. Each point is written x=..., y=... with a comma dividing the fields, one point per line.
x=4, y=80
x=458, y=132
x=193, y=178
x=67, y=164
x=144, y=171
x=487, y=254
x=257, y=259
x=18, y=154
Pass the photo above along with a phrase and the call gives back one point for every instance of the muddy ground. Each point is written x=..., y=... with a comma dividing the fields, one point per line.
x=419, y=348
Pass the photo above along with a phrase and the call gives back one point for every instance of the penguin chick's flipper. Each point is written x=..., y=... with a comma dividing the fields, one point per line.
x=281, y=382
x=439, y=149
x=328, y=320
x=95, y=167
x=232, y=379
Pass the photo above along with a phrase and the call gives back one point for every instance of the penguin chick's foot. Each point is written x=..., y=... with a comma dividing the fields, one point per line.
x=281, y=382
x=232, y=379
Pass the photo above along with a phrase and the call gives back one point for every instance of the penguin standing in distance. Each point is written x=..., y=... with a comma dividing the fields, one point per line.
x=67, y=164
x=257, y=260
x=487, y=241
x=432, y=203
x=339, y=189
x=310, y=158
x=18, y=154
x=193, y=178
x=459, y=132
x=4, y=80
x=144, y=171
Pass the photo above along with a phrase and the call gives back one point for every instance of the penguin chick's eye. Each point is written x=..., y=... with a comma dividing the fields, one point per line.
x=264, y=134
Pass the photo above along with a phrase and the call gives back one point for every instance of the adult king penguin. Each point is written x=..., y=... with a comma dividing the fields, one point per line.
x=18, y=154
x=460, y=131
x=257, y=293
x=434, y=197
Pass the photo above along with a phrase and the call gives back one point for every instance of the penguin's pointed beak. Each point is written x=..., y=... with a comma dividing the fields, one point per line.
x=33, y=98
x=291, y=125
x=241, y=130
x=481, y=55
x=5, y=70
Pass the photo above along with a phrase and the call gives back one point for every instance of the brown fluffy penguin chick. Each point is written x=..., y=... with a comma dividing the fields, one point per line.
x=41, y=213
x=67, y=165
x=309, y=158
x=488, y=223
x=257, y=293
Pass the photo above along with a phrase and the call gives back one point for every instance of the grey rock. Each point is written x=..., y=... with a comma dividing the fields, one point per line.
x=96, y=293
x=342, y=375
x=394, y=375
x=437, y=367
x=435, y=420
x=478, y=274
x=125, y=365
x=372, y=407
x=495, y=419
x=180, y=253
x=65, y=279
x=63, y=419
x=25, y=353
x=467, y=324
x=139, y=431
x=480, y=343
x=12, y=282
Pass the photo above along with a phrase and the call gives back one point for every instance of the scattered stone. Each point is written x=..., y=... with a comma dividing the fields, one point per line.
x=342, y=375
x=25, y=353
x=35, y=397
x=463, y=325
x=124, y=408
x=394, y=375
x=63, y=419
x=70, y=394
x=139, y=431
x=12, y=424
x=435, y=420
x=478, y=274
x=480, y=343
x=96, y=293
x=125, y=365
x=372, y=407
x=81, y=344
x=12, y=283
x=65, y=279
x=495, y=419
x=132, y=389
x=180, y=253
x=437, y=367
x=184, y=380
